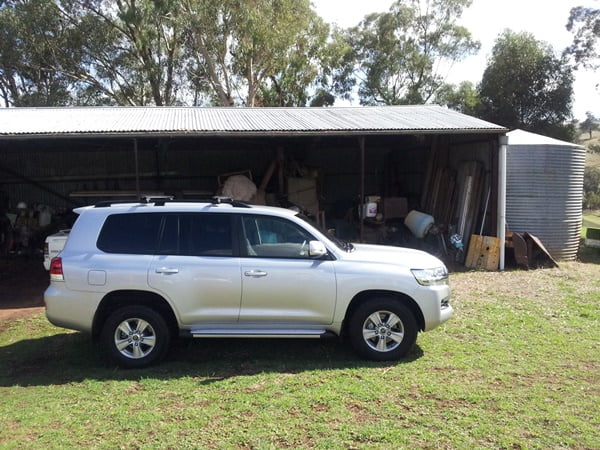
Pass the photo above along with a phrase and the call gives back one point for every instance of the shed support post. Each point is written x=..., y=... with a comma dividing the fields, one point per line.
x=502, y=144
x=137, y=169
x=361, y=142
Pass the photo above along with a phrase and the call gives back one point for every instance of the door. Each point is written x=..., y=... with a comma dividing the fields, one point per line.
x=198, y=269
x=280, y=282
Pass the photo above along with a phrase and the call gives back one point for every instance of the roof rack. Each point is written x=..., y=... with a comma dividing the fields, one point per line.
x=164, y=199
x=158, y=200
x=217, y=200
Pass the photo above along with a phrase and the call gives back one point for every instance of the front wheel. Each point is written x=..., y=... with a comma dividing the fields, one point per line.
x=382, y=329
x=135, y=336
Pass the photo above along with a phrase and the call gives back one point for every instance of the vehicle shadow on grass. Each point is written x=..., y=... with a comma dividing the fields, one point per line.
x=73, y=357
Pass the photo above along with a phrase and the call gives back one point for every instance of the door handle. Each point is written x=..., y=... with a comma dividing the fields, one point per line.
x=167, y=270
x=255, y=273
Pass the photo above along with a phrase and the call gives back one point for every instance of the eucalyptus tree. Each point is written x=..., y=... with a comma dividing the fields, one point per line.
x=584, y=23
x=526, y=86
x=164, y=52
x=254, y=52
x=463, y=97
x=32, y=36
x=590, y=124
x=90, y=52
x=132, y=49
x=403, y=55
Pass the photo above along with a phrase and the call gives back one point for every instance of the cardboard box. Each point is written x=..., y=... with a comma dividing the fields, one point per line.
x=395, y=208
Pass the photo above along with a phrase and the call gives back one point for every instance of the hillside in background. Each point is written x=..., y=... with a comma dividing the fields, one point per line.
x=592, y=158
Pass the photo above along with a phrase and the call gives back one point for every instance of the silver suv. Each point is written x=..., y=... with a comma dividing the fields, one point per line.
x=135, y=275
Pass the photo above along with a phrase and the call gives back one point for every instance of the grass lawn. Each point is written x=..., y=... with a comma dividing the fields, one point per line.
x=589, y=221
x=517, y=367
x=592, y=160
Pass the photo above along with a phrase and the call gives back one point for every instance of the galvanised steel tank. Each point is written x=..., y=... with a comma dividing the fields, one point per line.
x=544, y=191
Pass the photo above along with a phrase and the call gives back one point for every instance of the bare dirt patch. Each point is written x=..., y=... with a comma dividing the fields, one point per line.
x=537, y=284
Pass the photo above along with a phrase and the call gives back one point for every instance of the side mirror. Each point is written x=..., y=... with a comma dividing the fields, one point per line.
x=316, y=249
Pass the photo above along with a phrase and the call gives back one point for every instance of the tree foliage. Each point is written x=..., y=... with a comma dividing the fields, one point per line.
x=32, y=42
x=590, y=124
x=526, y=86
x=117, y=52
x=258, y=52
x=591, y=188
x=584, y=23
x=162, y=52
x=401, y=56
x=463, y=98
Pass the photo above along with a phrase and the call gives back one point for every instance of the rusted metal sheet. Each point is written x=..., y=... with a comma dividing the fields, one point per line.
x=536, y=252
x=520, y=248
x=530, y=252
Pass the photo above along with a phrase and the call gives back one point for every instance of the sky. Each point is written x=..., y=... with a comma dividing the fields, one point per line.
x=486, y=19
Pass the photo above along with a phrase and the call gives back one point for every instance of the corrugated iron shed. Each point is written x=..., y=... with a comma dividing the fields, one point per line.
x=143, y=121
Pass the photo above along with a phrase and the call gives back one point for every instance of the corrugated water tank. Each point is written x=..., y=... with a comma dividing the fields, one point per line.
x=544, y=191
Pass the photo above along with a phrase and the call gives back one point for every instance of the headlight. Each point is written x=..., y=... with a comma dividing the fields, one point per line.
x=431, y=277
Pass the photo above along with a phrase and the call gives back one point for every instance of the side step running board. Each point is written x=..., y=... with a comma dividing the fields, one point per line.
x=250, y=333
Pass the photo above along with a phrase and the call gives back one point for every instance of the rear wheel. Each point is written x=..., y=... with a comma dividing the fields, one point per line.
x=382, y=329
x=135, y=336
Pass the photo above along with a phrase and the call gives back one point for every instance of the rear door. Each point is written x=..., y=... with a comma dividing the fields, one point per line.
x=280, y=282
x=197, y=267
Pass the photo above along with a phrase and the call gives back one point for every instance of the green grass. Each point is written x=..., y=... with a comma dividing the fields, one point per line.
x=517, y=367
x=589, y=221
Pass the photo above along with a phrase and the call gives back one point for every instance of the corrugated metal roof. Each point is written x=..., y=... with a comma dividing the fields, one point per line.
x=521, y=137
x=69, y=121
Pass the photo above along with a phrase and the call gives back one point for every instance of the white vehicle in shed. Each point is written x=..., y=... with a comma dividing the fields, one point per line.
x=53, y=245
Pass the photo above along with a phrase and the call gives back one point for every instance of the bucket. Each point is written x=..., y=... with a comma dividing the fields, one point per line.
x=368, y=210
x=418, y=223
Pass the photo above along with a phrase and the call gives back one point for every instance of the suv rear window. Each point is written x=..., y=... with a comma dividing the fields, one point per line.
x=182, y=234
x=130, y=233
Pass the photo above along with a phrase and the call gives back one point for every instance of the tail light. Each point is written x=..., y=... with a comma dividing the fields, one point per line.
x=56, y=269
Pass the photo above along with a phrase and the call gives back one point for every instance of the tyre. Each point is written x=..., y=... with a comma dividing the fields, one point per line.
x=135, y=336
x=382, y=329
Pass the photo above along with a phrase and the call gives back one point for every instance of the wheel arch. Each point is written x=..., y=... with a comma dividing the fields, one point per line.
x=365, y=296
x=117, y=299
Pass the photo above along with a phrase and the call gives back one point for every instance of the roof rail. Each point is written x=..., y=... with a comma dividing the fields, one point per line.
x=109, y=203
x=162, y=200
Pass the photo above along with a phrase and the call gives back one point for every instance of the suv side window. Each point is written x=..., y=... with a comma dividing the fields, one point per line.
x=197, y=235
x=274, y=237
x=130, y=233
